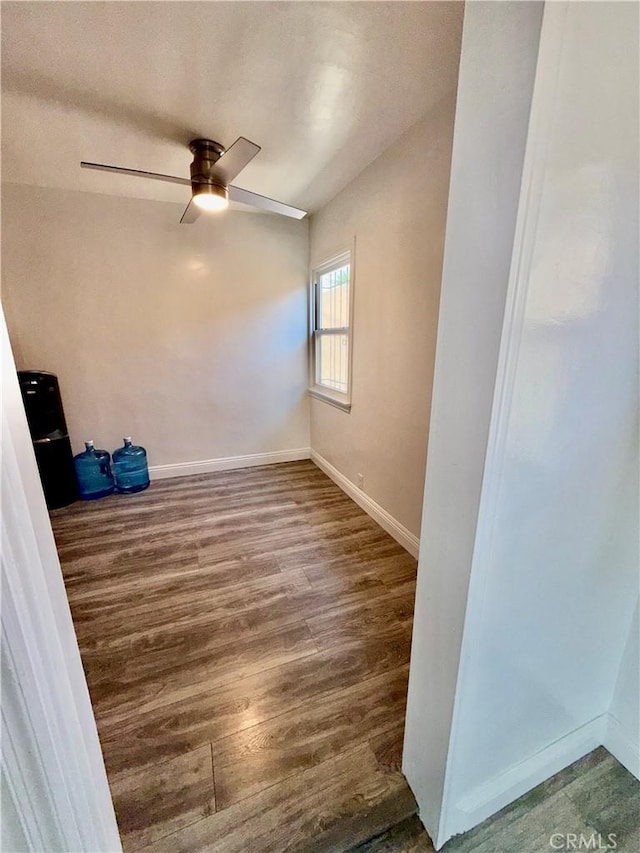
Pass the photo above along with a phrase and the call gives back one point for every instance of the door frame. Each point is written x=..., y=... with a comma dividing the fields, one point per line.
x=55, y=791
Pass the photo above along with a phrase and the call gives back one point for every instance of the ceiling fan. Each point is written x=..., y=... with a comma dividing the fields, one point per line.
x=212, y=170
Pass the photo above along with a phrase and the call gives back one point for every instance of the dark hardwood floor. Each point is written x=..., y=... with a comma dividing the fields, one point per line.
x=246, y=640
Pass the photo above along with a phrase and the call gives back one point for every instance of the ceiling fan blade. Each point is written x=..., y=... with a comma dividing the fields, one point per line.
x=264, y=203
x=137, y=173
x=191, y=213
x=234, y=159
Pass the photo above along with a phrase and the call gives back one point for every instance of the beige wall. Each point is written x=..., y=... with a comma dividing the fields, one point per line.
x=396, y=211
x=190, y=338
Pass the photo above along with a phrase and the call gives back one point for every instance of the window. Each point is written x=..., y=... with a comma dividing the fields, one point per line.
x=331, y=331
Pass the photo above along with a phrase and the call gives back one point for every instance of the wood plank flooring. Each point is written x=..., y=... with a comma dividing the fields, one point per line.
x=246, y=641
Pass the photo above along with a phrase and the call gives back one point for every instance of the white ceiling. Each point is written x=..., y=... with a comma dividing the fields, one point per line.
x=323, y=87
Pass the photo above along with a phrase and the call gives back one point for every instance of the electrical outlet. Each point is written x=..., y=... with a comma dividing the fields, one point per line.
x=360, y=481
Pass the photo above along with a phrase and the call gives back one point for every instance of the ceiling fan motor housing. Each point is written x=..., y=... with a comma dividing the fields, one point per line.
x=206, y=154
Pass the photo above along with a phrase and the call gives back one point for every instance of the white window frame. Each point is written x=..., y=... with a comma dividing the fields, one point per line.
x=323, y=392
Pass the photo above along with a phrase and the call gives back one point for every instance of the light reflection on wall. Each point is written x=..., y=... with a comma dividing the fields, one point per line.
x=197, y=266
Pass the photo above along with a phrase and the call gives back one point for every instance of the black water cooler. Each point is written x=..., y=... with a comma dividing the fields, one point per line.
x=45, y=416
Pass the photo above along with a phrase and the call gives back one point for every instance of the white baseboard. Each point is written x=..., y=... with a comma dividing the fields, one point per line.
x=488, y=798
x=399, y=532
x=623, y=745
x=227, y=463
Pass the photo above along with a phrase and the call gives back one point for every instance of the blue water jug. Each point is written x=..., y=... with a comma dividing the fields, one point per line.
x=130, y=468
x=93, y=473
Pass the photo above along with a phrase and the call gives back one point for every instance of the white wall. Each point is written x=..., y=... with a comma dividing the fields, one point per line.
x=396, y=211
x=497, y=67
x=190, y=338
x=554, y=578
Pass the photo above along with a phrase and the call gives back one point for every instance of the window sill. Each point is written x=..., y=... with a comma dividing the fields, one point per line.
x=327, y=397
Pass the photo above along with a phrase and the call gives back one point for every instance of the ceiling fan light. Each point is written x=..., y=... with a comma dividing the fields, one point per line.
x=210, y=197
